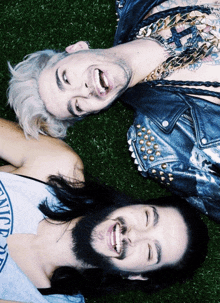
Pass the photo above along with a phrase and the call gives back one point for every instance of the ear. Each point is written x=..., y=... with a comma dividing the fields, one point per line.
x=80, y=45
x=137, y=277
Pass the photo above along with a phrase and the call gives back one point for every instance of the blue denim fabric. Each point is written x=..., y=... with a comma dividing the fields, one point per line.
x=178, y=161
x=175, y=138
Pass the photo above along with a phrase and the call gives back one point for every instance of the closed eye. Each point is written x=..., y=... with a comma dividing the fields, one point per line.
x=149, y=253
x=147, y=218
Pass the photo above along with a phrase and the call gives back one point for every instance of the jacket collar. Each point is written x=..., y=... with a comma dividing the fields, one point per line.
x=130, y=14
x=147, y=100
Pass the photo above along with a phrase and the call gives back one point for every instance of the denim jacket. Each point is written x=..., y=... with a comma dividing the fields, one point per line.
x=175, y=137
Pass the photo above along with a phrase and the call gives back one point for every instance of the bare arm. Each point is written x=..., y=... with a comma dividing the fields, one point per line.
x=37, y=158
x=7, y=168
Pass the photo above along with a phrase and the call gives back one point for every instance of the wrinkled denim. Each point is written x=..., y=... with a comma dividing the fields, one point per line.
x=175, y=138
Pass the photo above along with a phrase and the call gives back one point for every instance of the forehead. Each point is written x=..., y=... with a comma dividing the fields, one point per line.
x=83, y=55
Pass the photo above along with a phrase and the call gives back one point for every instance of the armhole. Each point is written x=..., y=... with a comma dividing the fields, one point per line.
x=47, y=291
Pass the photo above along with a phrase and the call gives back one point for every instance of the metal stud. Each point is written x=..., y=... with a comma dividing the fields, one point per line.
x=164, y=166
x=138, y=126
x=141, y=141
x=142, y=148
x=146, y=137
x=204, y=141
x=165, y=123
x=145, y=157
x=161, y=173
x=170, y=175
x=163, y=178
x=154, y=171
x=143, y=129
x=158, y=153
x=139, y=134
x=148, y=143
x=149, y=131
x=151, y=158
x=152, y=138
x=149, y=151
x=171, y=179
x=156, y=146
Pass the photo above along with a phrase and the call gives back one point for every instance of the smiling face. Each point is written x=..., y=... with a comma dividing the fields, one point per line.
x=138, y=238
x=141, y=238
x=84, y=82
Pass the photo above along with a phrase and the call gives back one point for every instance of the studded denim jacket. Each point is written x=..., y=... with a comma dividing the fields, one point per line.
x=175, y=138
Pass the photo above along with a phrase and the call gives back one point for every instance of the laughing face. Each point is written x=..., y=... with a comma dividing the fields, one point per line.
x=84, y=82
x=135, y=238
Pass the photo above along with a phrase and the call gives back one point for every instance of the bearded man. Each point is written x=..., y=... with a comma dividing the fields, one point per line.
x=62, y=237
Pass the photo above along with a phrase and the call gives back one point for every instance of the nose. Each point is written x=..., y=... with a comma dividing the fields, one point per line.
x=81, y=90
x=135, y=235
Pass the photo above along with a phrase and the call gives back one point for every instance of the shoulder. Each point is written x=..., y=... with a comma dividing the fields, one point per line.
x=68, y=163
x=51, y=156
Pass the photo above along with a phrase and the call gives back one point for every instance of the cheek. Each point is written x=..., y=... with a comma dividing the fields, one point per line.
x=100, y=235
x=128, y=265
x=98, y=241
x=135, y=262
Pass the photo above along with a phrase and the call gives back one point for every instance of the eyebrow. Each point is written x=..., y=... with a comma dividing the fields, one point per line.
x=156, y=216
x=157, y=244
x=58, y=81
x=158, y=248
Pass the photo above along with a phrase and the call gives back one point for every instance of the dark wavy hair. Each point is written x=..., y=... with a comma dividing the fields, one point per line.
x=79, y=199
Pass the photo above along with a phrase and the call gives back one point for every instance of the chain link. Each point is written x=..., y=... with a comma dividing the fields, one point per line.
x=188, y=56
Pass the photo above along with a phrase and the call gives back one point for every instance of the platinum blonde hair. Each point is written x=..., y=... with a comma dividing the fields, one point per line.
x=24, y=97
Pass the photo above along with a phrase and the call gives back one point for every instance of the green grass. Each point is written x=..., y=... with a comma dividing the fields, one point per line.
x=31, y=25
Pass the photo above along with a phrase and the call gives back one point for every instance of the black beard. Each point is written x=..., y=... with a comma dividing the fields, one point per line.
x=82, y=240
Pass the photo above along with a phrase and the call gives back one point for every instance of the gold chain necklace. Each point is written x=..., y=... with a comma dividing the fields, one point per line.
x=189, y=56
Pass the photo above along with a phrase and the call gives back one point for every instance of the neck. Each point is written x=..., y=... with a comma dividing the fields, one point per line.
x=142, y=56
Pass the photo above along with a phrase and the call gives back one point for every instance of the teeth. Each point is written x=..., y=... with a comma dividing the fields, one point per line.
x=97, y=81
x=112, y=238
x=105, y=80
x=101, y=81
x=118, y=242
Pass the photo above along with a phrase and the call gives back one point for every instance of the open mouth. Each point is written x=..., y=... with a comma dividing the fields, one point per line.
x=115, y=238
x=102, y=82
